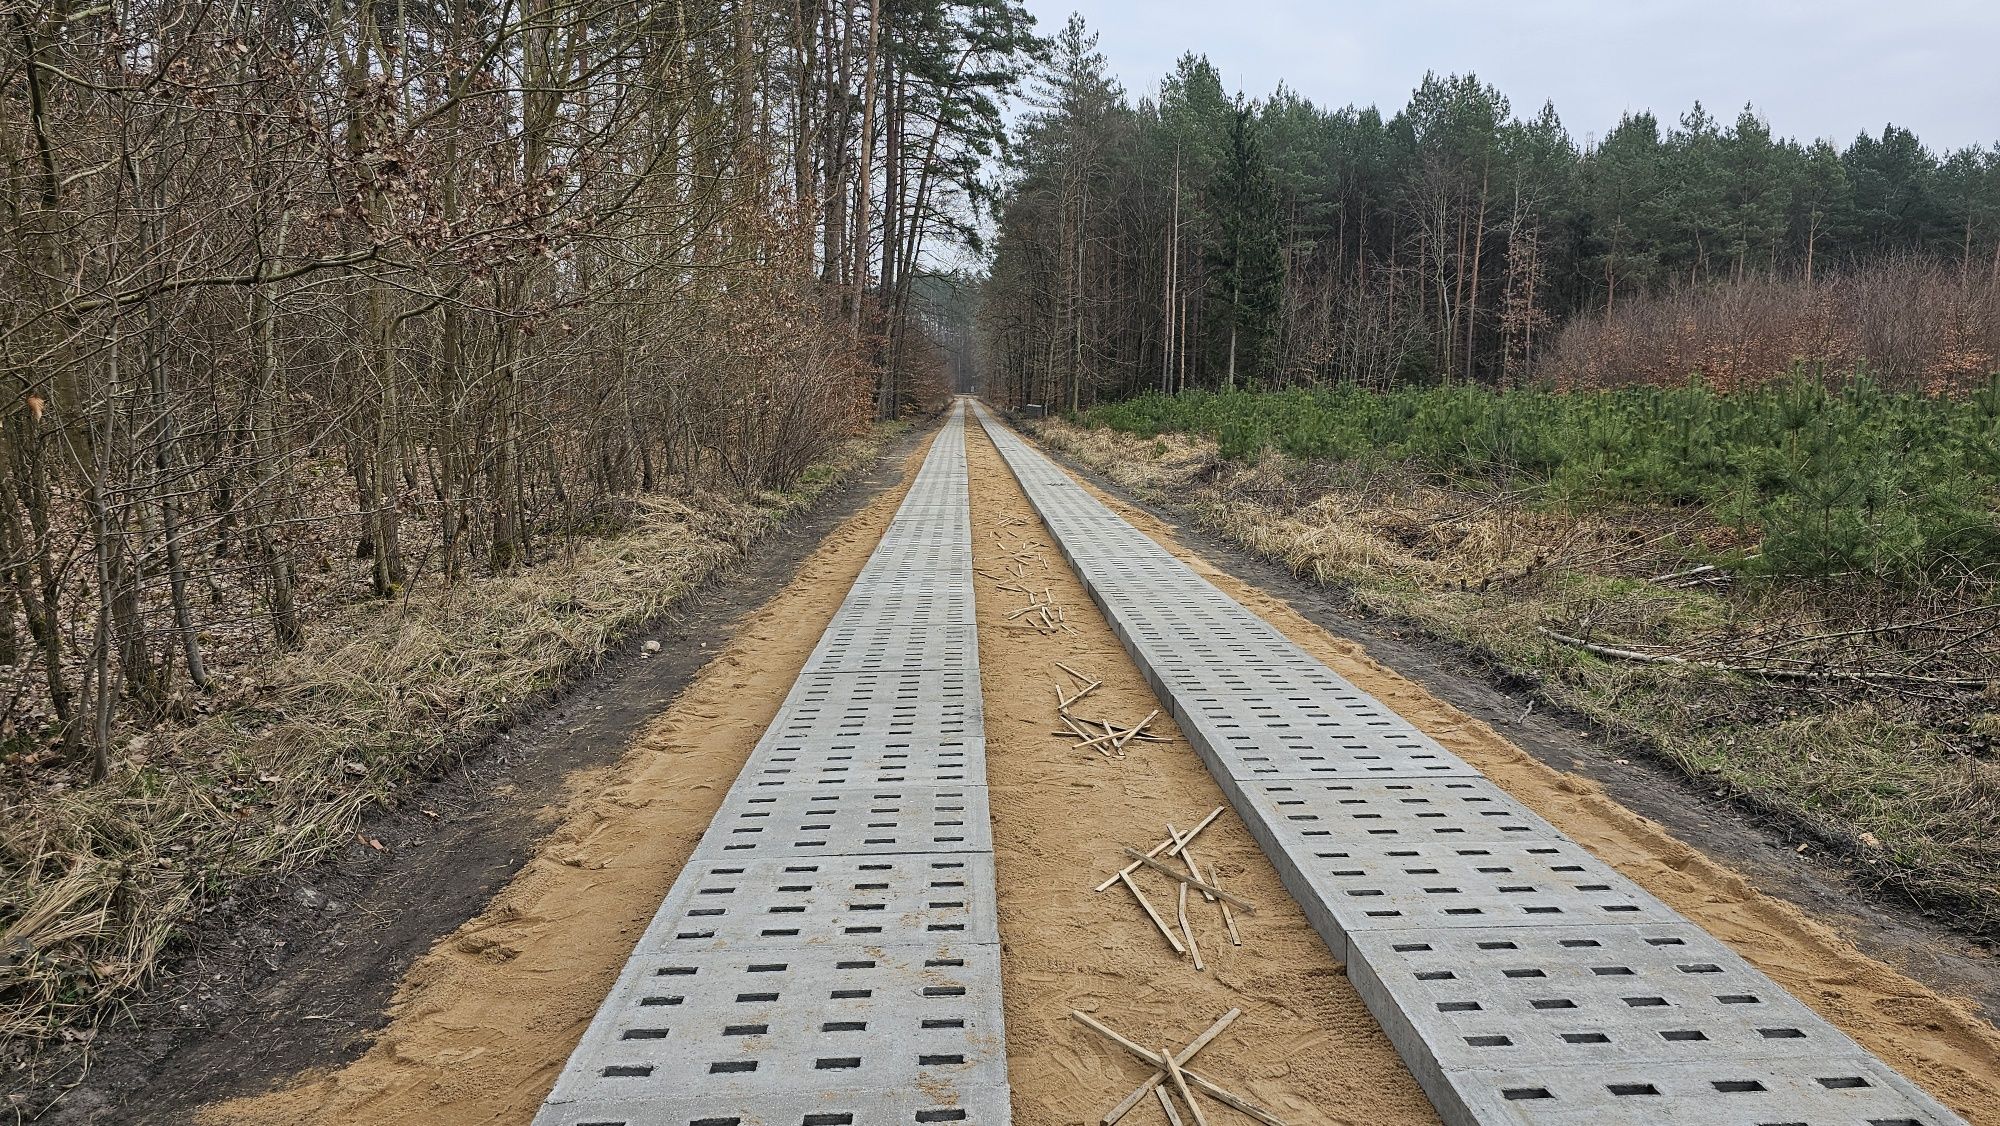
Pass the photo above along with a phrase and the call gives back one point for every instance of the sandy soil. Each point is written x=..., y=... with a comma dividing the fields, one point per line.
x=1939, y=1042
x=483, y=1022
x=1305, y=1046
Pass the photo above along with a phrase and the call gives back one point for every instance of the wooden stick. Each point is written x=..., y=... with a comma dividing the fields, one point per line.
x=1167, y=1104
x=1188, y=931
x=1194, y=1080
x=1155, y=916
x=1138, y=1094
x=1190, y=880
x=1167, y=846
x=1140, y=726
x=1228, y=918
x=1179, y=1077
x=1067, y=701
x=1079, y=676
x=1187, y=855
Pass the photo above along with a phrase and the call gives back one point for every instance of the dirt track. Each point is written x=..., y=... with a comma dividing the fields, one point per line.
x=481, y=1024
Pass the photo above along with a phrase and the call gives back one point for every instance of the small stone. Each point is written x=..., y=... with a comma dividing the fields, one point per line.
x=310, y=899
x=652, y=647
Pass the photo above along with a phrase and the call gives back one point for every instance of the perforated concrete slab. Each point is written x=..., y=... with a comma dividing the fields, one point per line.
x=1340, y=753
x=888, y=900
x=1309, y=815
x=807, y=764
x=909, y=703
x=1545, y=882
x=882, y=1034
x=848, y=820
x=868, y=644
x=961, y=1104
x=1842, y=1091
x=828, y=956
x=1524, y=998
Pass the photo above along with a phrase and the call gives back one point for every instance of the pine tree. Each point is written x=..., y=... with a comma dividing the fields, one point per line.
x=1247, y=268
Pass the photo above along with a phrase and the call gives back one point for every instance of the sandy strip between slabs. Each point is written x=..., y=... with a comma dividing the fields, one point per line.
x=1305, y=1046
x=1937, y=1041
x=481, y=1025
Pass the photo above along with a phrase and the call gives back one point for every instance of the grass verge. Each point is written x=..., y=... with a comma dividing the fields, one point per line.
x=1901, y=779
x=97, y=881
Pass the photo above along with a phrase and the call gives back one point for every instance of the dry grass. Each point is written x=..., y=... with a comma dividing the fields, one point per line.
x=96, y=881
x=1904, y=779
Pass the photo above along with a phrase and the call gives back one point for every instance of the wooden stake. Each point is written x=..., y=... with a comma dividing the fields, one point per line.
x=1179, y=1077
x=1140, y=726
x=1186, y=879
x=1194, y=1080
x=1229, y=920
x=1170, y=847
x=1079, y=676
x=1167, y=1104
x=1155, y=916
x=1139, y=1093
x=1188, y=931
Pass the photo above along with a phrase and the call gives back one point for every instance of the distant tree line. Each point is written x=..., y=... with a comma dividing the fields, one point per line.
x=1199, y=239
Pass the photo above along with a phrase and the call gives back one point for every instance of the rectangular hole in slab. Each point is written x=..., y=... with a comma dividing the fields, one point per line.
x=1632, y=1089
x=644, y=1034
x=1585, y=1038
x=844, y=1026
x=715, y=1122
x=828, y=1120
x=722, y=1067
x=836, y=1063
x=1843, y=1082
x=942, y=1114
x=1489, y=1041
x=627, y=1071
x=1517, y=1094
x=747, y=998
x=939, y=1060
x=953, y=1022
x=1683, y=1034
x=1782, y=1033
x=1737, y=1086
x=747, y=1030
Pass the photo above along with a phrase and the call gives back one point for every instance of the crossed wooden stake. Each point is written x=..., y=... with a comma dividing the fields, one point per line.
x=1172, y=1070
x=1181, y=845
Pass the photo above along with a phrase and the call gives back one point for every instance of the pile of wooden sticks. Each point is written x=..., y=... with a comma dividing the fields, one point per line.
x=1100, y=735
x=1171, y=1071
x=1042, y=613
x=1179, y=845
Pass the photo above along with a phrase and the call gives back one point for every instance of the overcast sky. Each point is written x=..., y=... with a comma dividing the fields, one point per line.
x=1814, y=68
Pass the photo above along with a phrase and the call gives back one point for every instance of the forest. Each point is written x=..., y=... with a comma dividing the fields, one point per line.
x=1199, y=238
x=365, y=365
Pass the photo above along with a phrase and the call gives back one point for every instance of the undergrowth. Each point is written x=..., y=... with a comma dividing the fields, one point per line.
x=97, y=881
x=1836, y=478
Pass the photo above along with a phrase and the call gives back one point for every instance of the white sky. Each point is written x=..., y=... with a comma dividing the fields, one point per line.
x=1814, y=68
